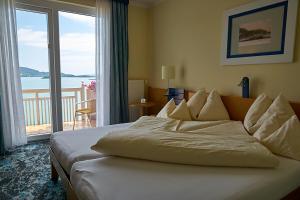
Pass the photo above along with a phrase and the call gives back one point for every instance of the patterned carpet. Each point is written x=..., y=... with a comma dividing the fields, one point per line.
x=25, y=174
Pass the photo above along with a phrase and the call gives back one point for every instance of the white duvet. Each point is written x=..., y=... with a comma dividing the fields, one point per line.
x=223, y=143
x=73, y=146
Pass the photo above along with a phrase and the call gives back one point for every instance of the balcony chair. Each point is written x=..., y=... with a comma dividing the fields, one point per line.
x=85, y=111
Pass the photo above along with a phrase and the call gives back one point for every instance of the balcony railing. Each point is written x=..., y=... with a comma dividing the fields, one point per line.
x=37, y=105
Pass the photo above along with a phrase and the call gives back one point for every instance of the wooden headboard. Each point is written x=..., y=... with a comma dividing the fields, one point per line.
x=237, y=107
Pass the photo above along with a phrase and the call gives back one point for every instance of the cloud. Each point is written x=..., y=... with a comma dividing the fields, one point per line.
x=75, y=42
x=77, y=49
x=78, y=65
x=78, y=42
x=78, y=53
x=79, y=18
x=32, y=38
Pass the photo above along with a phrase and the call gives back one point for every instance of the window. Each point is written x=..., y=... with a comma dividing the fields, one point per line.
x=57, y=59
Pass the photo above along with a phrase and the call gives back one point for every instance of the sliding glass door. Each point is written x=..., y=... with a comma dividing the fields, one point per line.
x=77, y=64
x=57, y=65
x=35, y=59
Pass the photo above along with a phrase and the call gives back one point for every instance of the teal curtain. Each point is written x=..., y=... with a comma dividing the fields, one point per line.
x=119, y=63
x=2, y=150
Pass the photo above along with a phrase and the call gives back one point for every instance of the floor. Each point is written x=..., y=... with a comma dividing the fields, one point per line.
x=25, y=174
x=46, y=128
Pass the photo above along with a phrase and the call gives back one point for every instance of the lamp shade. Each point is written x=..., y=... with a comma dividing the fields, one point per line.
x=167, y=72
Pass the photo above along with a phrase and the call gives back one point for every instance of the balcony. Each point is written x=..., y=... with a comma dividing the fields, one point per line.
x=37, y=109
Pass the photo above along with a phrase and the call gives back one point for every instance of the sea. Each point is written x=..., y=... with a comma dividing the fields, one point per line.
x=66, y=82
x=40, y=83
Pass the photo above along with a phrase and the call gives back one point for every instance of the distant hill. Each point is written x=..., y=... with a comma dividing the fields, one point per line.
x=28, y=72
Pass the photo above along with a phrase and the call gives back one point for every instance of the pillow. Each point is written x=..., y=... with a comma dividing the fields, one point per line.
x=181, y=112
x=286, y=140
x=257, y=109
x=281, y=107
x=268, y=127
x=214, y=109
x=196, y=103
x=167, y=109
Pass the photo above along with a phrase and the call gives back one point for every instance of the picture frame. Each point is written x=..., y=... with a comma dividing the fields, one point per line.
x=260, y=32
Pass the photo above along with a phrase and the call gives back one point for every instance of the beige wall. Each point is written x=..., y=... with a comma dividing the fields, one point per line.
x=140, y=42
x=188, y=34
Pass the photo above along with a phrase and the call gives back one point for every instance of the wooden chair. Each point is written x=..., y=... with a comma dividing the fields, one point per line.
x=87, y=111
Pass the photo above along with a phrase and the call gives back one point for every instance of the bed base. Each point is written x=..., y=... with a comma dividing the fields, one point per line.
x=58, y=171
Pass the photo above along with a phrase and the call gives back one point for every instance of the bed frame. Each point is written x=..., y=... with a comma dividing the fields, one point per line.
x=237, y=108
x=58, y=171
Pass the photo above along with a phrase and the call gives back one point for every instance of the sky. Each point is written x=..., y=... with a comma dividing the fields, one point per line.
x=77, y=42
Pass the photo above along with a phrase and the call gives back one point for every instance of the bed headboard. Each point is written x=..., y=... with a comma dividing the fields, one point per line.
x=237, y=107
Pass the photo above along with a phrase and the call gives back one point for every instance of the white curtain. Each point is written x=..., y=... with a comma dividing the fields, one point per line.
x=14, y=132
x=103, y=43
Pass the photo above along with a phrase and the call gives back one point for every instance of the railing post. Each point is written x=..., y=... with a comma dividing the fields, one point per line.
x=82, y=95
x=36, y=115
x=37, y=108
x=82, y=98
x=76, y=100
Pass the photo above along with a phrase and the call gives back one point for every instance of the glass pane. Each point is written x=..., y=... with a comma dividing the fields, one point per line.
x=77, y=50
x=34, y=69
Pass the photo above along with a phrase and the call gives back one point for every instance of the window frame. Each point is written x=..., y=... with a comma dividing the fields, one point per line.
x=52, y=9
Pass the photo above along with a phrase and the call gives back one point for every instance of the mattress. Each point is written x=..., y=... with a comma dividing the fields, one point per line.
x=72, y=146
x=115, y=178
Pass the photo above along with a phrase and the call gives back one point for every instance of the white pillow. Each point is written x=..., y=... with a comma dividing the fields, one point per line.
x=286, y=140
x=268, y=127
x=257, y=109
x=280, y=107
x=214, y=109
x=181, y=112
x=196, y=103
x=167, y=109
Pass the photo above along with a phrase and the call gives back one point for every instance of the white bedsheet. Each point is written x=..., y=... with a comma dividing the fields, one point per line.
x=113, y=178
x=72, y=146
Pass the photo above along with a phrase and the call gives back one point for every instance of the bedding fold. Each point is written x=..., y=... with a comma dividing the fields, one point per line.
x=207, y=148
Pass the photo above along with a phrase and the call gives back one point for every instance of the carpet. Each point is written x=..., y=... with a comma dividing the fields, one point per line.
x=25, y=174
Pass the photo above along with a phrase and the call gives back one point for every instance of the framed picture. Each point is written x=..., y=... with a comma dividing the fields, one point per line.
x=260, y=32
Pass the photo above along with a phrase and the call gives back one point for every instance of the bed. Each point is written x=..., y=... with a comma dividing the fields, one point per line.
x=68, y=147
x=119, y=178
x=72, y=146
x=90, y=167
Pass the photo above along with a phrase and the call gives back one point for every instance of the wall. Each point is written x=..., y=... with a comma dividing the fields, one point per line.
x=140, y=43
x=187, y=34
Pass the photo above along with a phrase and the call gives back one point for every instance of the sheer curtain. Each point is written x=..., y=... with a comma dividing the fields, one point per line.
x=103, y=49
x=2, y=150
x=13, y=121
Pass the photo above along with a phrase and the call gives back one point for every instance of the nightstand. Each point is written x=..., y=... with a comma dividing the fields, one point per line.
x=143, y=107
